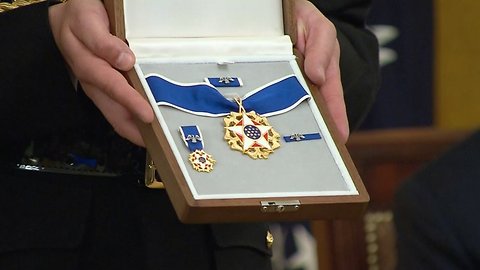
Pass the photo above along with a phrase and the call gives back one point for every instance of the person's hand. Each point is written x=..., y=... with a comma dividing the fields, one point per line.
x=81, y=31
x=317, y=41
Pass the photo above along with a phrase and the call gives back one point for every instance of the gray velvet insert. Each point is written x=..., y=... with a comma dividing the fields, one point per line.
x=296, y=167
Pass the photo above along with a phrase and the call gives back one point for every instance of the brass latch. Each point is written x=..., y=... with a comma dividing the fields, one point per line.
x=152, y=179
x=279, y=206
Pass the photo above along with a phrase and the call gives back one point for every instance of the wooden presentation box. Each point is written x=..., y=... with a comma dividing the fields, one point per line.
x=247, y=44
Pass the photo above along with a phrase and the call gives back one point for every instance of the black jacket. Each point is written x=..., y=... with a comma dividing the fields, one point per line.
x=436, y=212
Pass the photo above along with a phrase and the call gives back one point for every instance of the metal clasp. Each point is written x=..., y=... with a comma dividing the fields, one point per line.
x=152, y=180
x=279, y=206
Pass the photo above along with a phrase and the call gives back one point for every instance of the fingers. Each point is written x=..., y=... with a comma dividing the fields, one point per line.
x=93, y=70
x=94, y=34
x=317, y=40
x=320, y=45
x=332, y=93
x=120, y=118
x=330, y=87
x=91, y=50
x=81, y=31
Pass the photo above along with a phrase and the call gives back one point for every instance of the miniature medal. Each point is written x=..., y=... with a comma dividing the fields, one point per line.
x=200, y=160
x=250, y=133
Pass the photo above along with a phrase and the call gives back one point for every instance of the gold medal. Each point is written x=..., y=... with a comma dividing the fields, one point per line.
x=250, y=133
x=201, y=161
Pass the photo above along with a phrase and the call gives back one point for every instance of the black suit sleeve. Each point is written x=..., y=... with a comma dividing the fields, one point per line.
x=36, y=94
x=359, y=54
x=436, y=212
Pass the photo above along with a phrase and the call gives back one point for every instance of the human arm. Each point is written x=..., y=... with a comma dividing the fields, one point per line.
x=95, y=57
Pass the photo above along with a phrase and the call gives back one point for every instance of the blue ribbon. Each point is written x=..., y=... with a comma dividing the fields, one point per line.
x=302, y=137
x=203, y=99
x=192, y=137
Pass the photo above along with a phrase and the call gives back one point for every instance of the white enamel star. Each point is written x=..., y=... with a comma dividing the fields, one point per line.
x=251, y=133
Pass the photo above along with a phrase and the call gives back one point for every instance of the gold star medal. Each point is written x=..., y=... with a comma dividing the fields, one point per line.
x=250, y=133
x=200, y=160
